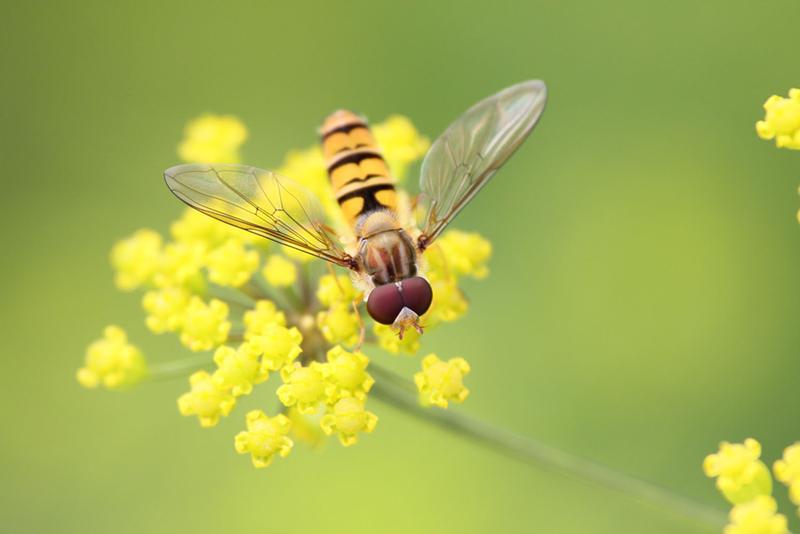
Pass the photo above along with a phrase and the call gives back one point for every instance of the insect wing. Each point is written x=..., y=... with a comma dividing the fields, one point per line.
x=463, y=159
x=260, y=202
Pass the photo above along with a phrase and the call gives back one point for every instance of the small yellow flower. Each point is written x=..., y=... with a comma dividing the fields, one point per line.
x=136, y=259
x=389, y=340
x=782, y=120
x=264, y=314
x=303, y=387
x=348, y=417
x=196, y=227
x=401, y=143
x=213, y=139
x=206, y=325
x=112, y=362
x=463, y=253
x=449, y=303
x=279, y=272
x=338, y=289
x=231, y=264
x=264, y=438
x=278, y=346
x=741, y=476
x=339, y=325
x=346, y=374
x=757, y=516
x=166, y=308
x=440, y=382
x=180, y=264
x=205, y=400
x=787, y=470
x=237, y=369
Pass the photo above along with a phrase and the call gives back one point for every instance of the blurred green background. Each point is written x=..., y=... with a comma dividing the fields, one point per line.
x=643, y=298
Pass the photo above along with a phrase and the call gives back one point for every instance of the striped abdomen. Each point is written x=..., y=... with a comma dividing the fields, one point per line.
x=359, y=176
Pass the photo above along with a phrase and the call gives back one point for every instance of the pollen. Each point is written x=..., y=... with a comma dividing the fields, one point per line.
x=180, y=264
x=441, y=382
x=213, y=139
x=112, y=362
x=136, y=259
x=279, y=272
x=262, y=315
x=741, y=475
x=757, y=516
x=206, y=400
x=278, y=346
x=231, y=264
x=782, y=120
x=348, y=418
x=206, y=325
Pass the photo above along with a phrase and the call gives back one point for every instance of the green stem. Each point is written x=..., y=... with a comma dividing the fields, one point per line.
x=401, y=393
x=178, y=368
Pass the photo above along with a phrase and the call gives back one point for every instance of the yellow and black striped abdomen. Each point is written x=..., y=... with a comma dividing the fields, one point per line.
x=359, y=176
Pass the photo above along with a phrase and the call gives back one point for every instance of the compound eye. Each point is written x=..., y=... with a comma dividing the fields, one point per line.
x=384, y=303
x=417, y=294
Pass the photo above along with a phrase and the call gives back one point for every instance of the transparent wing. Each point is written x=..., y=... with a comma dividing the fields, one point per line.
x=464, y=158
x=260, y=202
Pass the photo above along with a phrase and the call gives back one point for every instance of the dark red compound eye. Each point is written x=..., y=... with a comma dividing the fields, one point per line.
x=385, y=302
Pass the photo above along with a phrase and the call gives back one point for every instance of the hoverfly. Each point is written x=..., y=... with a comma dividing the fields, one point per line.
x=385, y=256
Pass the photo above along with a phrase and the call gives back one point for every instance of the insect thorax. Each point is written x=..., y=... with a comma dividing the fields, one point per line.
x=385, y=251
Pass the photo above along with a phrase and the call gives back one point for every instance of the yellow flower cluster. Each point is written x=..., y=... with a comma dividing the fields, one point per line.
x=740, y=474
x=112, y=362
x=782, y=120
x=260, y=311
x=745, y=481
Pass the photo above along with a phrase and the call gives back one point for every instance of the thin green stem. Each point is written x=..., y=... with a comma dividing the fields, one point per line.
x=401, y=393
x=178, y=368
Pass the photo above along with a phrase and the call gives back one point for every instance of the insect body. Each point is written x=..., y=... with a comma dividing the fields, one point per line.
x=460, y=162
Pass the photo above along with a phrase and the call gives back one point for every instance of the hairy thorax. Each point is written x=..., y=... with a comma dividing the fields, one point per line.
x=385, y=251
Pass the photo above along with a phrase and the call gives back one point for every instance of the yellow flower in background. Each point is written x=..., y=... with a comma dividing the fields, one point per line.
x=264, y=438
x=196, y=227
x=336, y=290
x=166, y=308
x=787, y=470
x=112, y=362
x=238, y=370
x=740, y=475
x=339, y=324
x=757, y=516
x=463, y=253
x=348, y=418
x=264, y=314
x=401, y=142
x=278, y=346
x=449, y=303
x=136, y=259
x=231, y=264
x=180, y=264
x=205, y=325
x=441, y=382
x=213, y=139
x=279, y=272
x=303, y=387
x=205, y=400
x=782, y=120
x=346, y=374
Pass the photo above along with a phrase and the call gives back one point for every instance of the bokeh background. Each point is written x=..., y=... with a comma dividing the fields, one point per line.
x=644, y=291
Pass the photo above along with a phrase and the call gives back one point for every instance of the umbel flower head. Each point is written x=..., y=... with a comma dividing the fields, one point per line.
x=740, y=474
x=257, y=313
x=782, y=120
